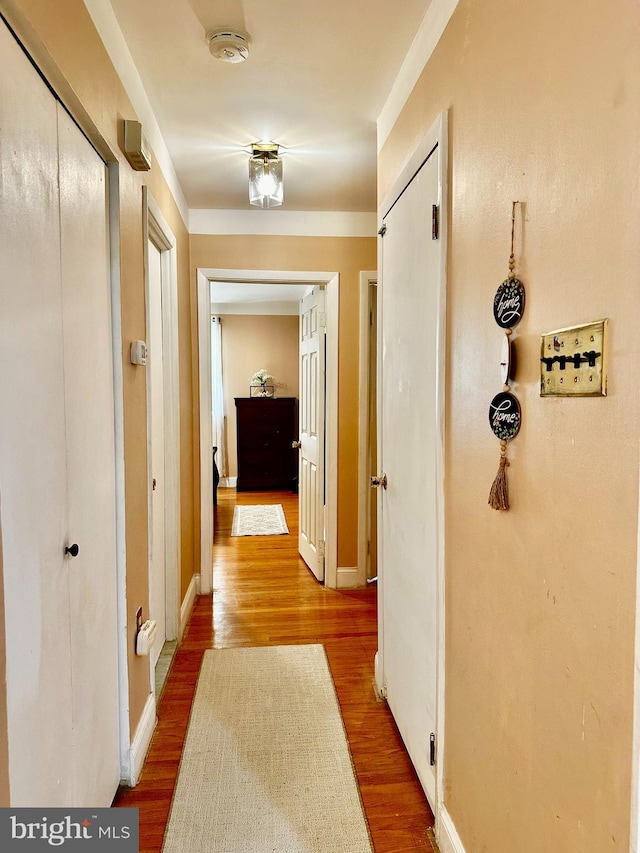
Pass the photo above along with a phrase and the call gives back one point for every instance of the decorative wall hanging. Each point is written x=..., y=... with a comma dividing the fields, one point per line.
x=505, y=415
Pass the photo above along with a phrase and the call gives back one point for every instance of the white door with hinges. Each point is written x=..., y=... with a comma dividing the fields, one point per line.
x=408, y=448
x=311, y=538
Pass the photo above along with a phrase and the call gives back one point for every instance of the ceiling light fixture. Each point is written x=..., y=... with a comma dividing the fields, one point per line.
x=228, y=45
x=265, y=175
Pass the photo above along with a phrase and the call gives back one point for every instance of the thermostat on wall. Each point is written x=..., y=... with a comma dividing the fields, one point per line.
x=138, y=352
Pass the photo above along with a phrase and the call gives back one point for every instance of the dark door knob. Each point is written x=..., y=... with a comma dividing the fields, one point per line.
x=72, y=550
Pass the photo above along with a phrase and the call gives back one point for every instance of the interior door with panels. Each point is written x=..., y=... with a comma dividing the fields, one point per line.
x=311, y=537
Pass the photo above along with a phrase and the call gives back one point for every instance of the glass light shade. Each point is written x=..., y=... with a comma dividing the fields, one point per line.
x=265, y=181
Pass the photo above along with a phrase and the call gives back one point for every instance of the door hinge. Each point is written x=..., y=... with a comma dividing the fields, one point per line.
x=322, y=319
x=383, y=231
x=320, y=547
x=435, y=222
x=432, y=749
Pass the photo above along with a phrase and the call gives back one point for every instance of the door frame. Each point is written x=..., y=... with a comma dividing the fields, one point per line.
x=367, y=278
x=331, y=280
x=156, y=229
x=435, y=137
x=130, y=760
x=132, y=749
x=634, y=845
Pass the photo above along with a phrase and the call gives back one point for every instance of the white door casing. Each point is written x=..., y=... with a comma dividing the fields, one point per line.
x=371, y=446
x=410, y=666
x=634, y=846
x=311, y=412
x=367, y=413
x=162, y=324
x=155, y=368
x=203, y=297
x=204, y=277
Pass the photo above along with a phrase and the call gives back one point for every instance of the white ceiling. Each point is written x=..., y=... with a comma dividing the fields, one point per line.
x=232, y=297
x=316, y=80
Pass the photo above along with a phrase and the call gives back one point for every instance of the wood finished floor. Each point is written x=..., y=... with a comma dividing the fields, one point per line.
x=265, y=595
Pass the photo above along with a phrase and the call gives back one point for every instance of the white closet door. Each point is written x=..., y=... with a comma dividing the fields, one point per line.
x=57, y=478
x=409, y=441
x=32, y=440
x=88, y=380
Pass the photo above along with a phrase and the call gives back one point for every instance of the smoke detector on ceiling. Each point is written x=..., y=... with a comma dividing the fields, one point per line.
x=228, y=44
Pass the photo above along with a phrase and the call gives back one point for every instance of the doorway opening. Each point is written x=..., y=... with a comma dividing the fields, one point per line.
x=306, y=280
x=367, y=426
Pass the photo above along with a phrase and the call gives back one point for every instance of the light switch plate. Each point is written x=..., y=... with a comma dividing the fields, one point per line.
x=573, y=361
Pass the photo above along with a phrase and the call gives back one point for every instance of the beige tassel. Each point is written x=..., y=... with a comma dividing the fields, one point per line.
x=499, y=494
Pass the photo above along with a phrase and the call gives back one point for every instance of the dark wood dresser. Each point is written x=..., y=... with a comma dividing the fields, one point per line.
x=266, y=426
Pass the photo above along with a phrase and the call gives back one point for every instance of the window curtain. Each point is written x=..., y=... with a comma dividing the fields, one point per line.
x=217, y=397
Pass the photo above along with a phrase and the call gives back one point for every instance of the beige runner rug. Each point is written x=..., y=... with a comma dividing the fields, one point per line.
x=266, y=766
x=259, y=520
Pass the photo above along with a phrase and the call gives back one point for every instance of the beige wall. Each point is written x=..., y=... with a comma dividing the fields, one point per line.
x=544, y=107
x=348, y=256
x=63, y=41
x=250, y=342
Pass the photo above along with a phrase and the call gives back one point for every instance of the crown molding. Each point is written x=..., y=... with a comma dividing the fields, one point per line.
x=108, y=28
x=293, y=223
x=429, y=33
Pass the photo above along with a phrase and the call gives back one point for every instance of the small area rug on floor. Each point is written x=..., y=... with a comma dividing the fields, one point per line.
x=259, y=520
x=266, y=766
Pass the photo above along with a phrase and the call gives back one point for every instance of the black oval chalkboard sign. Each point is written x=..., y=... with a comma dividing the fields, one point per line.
x=505, y=416
x=508, y=304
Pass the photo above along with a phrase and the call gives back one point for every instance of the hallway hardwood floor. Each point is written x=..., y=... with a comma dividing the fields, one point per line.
x=265, y=595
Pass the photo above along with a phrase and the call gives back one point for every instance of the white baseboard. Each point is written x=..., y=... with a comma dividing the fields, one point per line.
x=187, y=604
x=141, y=741
x=446, y=834
x=227, y=482
x=348, y=577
